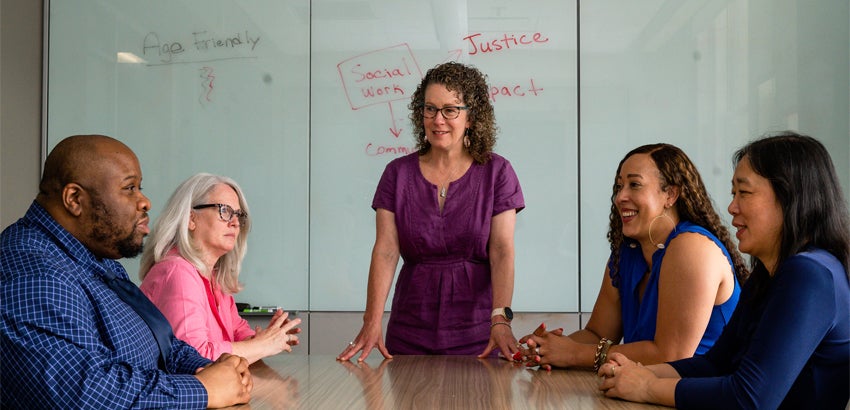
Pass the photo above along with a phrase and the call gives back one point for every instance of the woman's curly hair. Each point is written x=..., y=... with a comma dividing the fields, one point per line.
x=471, y=86
x=693, y=204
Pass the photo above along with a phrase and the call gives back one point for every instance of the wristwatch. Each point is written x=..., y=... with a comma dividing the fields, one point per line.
x=505, y=311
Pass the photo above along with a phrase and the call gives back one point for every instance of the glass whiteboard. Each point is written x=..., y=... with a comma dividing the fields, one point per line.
x=304, y=103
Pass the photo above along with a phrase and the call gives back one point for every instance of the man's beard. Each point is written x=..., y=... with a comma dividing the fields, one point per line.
x=106, y=231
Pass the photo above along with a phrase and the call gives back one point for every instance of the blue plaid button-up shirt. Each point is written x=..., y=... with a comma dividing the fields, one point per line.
x=68, y=341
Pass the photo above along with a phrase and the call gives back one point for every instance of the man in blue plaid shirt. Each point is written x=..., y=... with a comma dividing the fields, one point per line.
x=68, y=340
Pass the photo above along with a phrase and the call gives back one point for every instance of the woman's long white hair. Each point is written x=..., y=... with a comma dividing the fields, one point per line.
x=172, y=231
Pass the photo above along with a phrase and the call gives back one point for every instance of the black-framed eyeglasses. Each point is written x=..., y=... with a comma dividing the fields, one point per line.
x=226, y=213
x=449, y=112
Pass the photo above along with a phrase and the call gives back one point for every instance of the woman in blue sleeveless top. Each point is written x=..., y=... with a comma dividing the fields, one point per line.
x=671, y=282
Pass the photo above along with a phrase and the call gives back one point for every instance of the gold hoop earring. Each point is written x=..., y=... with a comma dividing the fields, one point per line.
x=664, y=213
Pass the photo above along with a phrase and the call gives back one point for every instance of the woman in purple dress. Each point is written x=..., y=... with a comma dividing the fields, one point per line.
x=449, y=211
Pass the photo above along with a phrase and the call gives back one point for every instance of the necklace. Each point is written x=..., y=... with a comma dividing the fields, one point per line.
x=445, y=186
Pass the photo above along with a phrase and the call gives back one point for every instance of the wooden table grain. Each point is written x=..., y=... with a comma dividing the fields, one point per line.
x=421, y=382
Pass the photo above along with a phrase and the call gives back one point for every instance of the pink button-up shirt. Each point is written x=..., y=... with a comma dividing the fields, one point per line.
x=177, y=288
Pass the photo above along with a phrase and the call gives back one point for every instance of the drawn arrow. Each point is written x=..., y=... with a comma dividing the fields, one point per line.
x=396, y=131
x=454, y=55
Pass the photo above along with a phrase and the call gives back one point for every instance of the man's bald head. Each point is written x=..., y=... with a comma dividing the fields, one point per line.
x=76, y=159
x=91, y=186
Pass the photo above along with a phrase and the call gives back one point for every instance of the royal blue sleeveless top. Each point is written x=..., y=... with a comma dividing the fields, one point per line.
x=639, y=317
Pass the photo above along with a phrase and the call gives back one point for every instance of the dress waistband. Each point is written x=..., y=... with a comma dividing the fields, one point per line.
x=445, y=260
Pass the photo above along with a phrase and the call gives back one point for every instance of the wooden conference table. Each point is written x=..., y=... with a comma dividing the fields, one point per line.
x=421, y=382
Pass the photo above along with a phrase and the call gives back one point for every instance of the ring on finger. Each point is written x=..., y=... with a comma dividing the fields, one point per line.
x=351, y=343
x=537, y=350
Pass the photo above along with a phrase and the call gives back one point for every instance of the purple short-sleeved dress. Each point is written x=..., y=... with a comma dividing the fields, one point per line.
x=443, y=296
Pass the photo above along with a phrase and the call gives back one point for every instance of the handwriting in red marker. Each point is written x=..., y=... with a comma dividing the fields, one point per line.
x=208, y=75
x=372, y=150
x=503, y=43
x=379, y=76
x=515, y=90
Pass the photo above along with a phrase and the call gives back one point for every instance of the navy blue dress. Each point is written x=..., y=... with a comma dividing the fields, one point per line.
x=789, y=350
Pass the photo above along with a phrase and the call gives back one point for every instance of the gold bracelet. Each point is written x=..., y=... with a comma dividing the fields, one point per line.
x=601, y=353
x=500, y=323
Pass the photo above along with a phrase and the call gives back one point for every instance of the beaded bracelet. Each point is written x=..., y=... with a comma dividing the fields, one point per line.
x=500, y=323
x=601, y=353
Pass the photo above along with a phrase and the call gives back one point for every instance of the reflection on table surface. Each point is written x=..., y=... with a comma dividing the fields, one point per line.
x=422, y=382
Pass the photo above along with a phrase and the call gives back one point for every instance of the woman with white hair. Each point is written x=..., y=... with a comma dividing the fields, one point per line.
x=190, y=270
